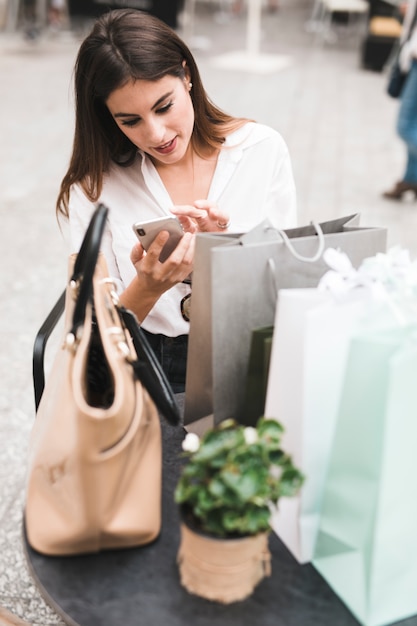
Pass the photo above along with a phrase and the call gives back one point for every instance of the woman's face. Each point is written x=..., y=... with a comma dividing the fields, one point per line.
x=157, y=116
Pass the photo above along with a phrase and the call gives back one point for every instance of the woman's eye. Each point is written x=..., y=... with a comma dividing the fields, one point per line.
x=165, y=108
x=136, y=120
x=132, y=122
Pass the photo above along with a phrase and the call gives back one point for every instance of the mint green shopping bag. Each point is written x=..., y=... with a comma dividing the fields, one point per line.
x=367, y=541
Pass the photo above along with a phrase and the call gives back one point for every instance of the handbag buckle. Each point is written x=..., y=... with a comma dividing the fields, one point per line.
x=113, y=292
x=71, y=342
x=121, y=344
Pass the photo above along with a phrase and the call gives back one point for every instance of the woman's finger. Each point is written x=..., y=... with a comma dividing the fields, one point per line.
x=218, y=218
x=189, y=211
x=137, y=253
x=204, y=217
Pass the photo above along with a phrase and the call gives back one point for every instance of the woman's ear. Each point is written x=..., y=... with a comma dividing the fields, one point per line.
x=187, y=74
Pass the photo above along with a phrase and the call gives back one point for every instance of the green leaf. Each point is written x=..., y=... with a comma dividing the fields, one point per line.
x=277, y=457
x=217, y=488
x=230, y=520
x=270, y=428
x=205, y=500
x=257, y=519
x=218, y=443
x=291, y=482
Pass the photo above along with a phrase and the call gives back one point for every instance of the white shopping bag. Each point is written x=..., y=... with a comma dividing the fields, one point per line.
x=309, y=351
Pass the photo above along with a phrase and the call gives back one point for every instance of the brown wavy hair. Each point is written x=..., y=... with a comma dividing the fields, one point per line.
x=126, y=44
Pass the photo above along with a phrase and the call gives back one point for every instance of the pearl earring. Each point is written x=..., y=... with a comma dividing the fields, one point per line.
x=190, y=85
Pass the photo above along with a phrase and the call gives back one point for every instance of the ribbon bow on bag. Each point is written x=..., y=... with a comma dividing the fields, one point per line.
x=390, y=279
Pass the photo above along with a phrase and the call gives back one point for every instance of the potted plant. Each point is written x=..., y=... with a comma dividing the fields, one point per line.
x=230, y=483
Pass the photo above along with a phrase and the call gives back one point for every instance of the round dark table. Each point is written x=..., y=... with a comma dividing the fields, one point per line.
x=139, y=587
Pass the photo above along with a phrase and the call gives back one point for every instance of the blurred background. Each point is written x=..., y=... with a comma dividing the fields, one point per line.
x=315, y=70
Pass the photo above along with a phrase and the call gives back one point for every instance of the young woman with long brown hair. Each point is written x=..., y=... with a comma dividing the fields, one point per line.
x=149, y=142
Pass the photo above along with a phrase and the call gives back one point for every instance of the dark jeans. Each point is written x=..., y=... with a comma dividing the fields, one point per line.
x=171, y=352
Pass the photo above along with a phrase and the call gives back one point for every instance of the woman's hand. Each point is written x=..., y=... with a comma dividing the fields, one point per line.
x=157, y=276
x=153, y=277
x=204, y=216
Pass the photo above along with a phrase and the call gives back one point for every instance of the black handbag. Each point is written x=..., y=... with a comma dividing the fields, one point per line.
x=396, y=80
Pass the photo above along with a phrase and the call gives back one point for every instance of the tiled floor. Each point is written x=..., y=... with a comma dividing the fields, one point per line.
x=335, y=117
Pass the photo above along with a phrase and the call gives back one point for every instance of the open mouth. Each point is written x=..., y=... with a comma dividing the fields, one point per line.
x=167, y=147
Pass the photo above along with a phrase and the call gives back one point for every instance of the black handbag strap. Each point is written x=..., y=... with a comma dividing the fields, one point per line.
x=40, y=347
x=85, y=265
x=147, y=368
x=83, y=273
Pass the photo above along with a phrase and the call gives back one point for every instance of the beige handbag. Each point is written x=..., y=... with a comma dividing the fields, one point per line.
x=94, y=467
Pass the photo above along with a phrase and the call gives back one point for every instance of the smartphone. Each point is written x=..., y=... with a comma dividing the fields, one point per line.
x=147, y=231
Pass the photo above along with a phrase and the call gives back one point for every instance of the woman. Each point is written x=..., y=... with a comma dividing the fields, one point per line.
x=407, y=115
x=148, y=143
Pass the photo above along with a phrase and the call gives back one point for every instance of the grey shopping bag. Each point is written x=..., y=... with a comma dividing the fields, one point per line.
x=236, y=280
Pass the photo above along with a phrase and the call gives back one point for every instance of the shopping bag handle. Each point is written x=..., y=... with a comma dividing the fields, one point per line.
x=297, y=255
x=300, y=257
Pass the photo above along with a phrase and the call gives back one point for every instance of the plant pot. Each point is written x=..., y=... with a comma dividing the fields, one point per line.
x=223, y=570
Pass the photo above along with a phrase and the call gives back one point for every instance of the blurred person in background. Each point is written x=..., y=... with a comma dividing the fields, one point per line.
x=407, y=115
x=149, y=143
x=31, y=28
x=56, y=13
x=238, y=6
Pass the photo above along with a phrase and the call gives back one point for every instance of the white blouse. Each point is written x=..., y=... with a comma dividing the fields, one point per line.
x=253, y=180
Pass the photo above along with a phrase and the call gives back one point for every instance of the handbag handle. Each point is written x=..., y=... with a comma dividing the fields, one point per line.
x=85, y=265
x=39, y=347
x=83, y=268
x=147, y=368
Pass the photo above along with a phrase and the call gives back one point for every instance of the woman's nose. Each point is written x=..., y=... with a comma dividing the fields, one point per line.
x=156, y=132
